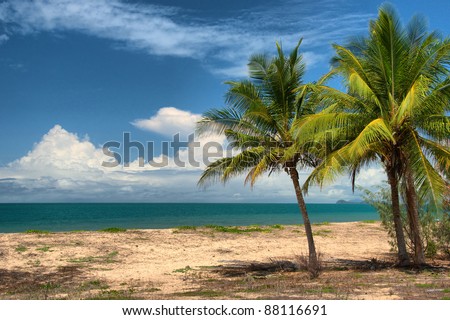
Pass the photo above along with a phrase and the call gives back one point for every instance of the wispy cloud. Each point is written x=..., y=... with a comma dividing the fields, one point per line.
x=223, y=46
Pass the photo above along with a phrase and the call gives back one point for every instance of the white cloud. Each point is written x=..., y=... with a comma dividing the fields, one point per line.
x=3, y=38
x=64, y=167
x=169, y=121
x=167, y=31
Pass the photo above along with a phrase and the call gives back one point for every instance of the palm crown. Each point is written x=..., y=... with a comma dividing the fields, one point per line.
x=259, y=119
x=394, y=110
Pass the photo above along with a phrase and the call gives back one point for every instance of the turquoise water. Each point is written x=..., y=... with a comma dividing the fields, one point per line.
x=95, y=216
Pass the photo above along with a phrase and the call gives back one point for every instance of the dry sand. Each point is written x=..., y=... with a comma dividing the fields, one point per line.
x=157, y=262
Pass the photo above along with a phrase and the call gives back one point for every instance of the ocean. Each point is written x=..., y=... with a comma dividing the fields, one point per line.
x=96, y=216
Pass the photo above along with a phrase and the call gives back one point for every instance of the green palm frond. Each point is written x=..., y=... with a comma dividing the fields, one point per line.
x=428, y=181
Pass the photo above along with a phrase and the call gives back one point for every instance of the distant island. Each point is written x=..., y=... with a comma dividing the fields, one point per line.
x=349, y=202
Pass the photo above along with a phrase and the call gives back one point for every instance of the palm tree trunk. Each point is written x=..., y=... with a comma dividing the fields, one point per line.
x=413, y=218
x=403, y=257
x=313, y=261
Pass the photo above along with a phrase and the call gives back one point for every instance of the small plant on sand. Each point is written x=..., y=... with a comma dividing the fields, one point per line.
x=277, y=226
x=37, y=231
x=44, y=249
x=302, y=263
x=323, y=223
x=21, y=248
x=186, y=228
x=183, y=270
x=323, y=233
x=113, y=230
x=238, y=229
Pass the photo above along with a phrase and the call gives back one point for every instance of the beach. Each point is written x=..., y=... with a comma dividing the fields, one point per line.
x=212, y=263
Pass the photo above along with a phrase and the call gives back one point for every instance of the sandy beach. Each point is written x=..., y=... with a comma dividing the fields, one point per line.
x=187, y=263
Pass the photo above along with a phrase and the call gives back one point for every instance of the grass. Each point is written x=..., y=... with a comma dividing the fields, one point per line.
x=115, y=295
x=238, y=229
x=50, y=286
x=37, y=231
x=424, y=285
x=21, y=248
x=94, y=284
x=201, y=293
x=113, y=230
x=368, y=221
x=323, y=232
x=44, y=249
x=186, y=228
x=108, y=258
x=277, y=226
x=324, y=223
x=328, y=289
x=183, y=270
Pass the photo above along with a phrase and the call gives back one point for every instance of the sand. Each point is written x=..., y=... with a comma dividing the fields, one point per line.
x=159, y=260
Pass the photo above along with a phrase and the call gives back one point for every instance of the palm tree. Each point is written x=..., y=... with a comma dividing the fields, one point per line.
x=258, y=122
x=394, y=111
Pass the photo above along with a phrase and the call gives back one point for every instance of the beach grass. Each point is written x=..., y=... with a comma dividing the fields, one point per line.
x=34, y=231
x=21, y=248
x=113, y=230
x=231, y=229
x=186, y=228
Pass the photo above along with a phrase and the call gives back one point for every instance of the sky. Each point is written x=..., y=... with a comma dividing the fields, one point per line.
x=75, y=75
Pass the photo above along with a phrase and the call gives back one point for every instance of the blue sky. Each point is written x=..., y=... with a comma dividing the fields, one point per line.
x=75, y=74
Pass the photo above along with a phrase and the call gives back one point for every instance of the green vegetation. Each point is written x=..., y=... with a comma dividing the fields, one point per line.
x=94, y=284
x=277, y=226
x=113, y=230
x=238, y=229
x=108, y=258
x=37, y=231
x=425, y=285
x=186, y=228
x=259, y=120
x=324, y=232
x=21, y=248
x=44, y=249
x=324, y=223
x=115, y=295
x=200, y=293
x=183, y=270
x=392, y=110
x=435, y=227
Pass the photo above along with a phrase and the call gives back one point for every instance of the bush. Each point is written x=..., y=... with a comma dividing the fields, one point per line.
x=435, y=229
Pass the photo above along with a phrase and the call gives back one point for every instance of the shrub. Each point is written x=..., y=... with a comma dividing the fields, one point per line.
x=435, y=229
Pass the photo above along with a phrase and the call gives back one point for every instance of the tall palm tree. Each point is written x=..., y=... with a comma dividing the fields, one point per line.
x=258, y=122
x=395, y=111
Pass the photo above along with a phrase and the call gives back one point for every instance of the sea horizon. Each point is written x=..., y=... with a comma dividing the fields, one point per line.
x=20, y=217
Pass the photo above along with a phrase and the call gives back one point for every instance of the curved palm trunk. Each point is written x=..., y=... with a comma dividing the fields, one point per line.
x=403, y=257
x=313, y=262
x=413, y=218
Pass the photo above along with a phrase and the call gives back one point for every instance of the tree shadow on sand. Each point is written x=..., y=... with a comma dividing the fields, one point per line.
x=36, y=285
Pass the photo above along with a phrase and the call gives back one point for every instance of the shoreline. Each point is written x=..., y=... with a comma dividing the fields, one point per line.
x=119, y=229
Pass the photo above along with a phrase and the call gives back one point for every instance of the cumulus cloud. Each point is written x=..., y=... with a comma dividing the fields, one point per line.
x=65, y=167
x=169, y=121
x=222, y=45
